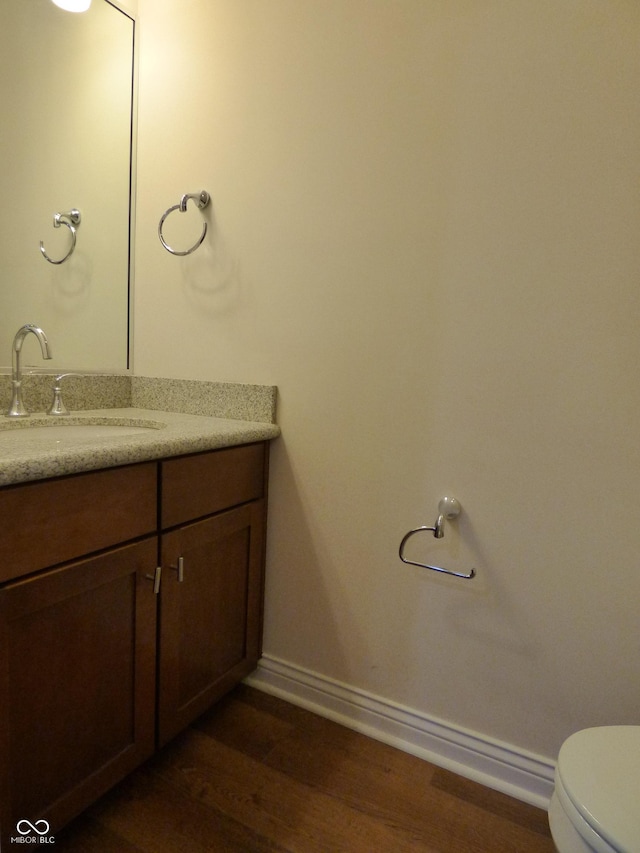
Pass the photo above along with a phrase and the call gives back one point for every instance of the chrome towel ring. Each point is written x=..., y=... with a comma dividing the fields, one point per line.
x=72, y=220
x=448, y=508
x=202, y=200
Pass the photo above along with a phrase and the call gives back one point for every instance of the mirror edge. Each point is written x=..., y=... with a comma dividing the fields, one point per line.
x=130, y=8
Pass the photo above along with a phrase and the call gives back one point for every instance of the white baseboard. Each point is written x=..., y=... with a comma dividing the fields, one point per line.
x=500, y=766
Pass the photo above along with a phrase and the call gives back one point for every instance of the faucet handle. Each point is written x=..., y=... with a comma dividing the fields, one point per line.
x=58, y=408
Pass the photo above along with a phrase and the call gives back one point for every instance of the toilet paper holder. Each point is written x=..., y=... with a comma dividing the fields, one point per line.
x=448, y=509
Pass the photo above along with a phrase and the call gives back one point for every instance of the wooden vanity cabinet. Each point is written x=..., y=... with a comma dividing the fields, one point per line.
x=77, y=641
x=97, y=670
x=210, y=632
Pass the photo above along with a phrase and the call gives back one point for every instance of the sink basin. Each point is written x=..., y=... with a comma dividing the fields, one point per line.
x=51, y=434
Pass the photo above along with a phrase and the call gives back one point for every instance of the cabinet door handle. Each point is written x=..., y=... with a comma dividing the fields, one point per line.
x=179, y=569
x=155, y=577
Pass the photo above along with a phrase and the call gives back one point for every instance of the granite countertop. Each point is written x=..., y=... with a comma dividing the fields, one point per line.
x=39, y=456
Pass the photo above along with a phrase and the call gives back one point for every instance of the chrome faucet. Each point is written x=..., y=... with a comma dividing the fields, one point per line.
x=17, y=409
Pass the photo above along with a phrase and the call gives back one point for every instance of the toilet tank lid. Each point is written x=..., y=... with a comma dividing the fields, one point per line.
x=599, y=769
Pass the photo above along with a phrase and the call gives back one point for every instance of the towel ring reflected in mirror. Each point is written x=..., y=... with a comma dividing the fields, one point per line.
x=72, y=220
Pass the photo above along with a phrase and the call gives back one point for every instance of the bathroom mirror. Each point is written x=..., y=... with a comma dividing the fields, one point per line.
x=66, y=142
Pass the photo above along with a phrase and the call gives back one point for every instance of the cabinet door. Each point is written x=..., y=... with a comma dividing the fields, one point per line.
x=77, y=683
x=211, y=619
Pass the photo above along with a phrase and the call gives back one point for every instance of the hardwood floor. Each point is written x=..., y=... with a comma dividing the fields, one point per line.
x=257, y=774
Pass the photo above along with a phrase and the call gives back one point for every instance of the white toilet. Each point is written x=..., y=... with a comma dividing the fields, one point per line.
x=596, y=801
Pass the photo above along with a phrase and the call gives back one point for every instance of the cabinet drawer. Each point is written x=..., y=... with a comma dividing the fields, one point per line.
x=53, y=521
x=199, y=485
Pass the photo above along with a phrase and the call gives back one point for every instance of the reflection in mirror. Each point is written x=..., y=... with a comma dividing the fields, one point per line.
x=66, y=96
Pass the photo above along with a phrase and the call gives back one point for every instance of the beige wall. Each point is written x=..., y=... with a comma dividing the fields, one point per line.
x=427, y=234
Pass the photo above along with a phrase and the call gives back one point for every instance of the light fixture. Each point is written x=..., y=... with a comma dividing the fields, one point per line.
x=73, y=5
